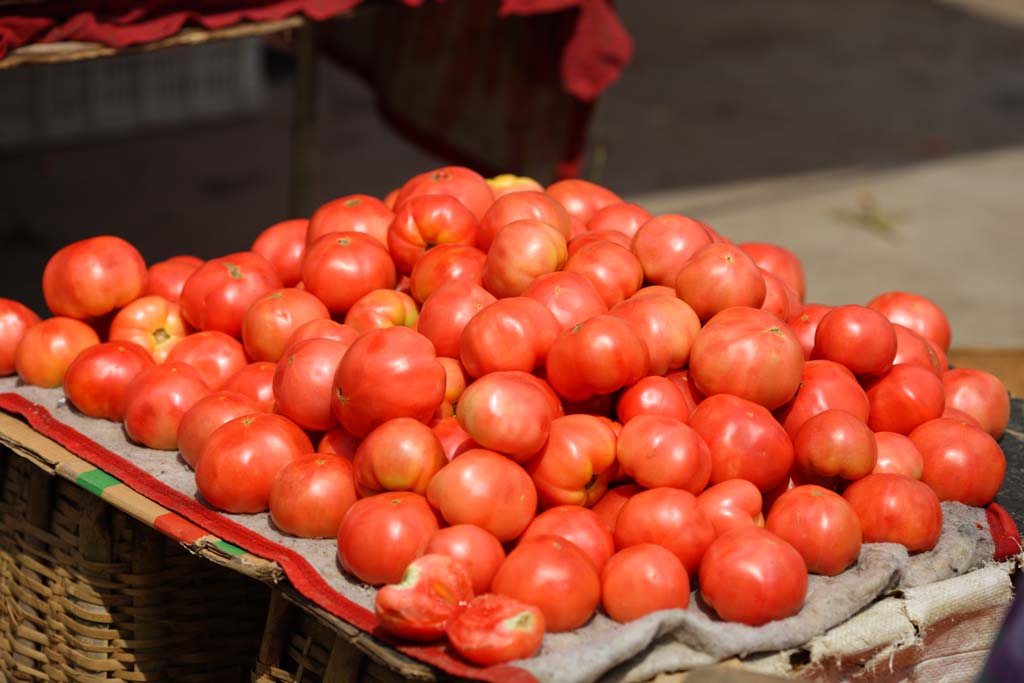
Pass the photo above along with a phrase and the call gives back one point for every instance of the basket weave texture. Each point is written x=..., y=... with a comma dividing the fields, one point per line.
x=91, y=595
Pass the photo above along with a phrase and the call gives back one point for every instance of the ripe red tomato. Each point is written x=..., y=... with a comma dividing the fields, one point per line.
x=719, y=276
x=585, y=239
x=454, y=439
x=624, y=217
x=304, y=382
x=835, y=443
x=399, y=455
x=670, y=518
x=509, y=334
x=598, y=356
x=780, y=262
x=535, y=206
x=434, y=589
x=205, y=416
x=897, y=454
x=152, y=322
x=583, y=527
x=961, y=462
x=272, y=319
x=610, y=267
x=311, y=494
x=446, y=263
x=255, y=381
x=284, y=246
x=506, y=413
x=903, y=398
x=454, y=384
x=913, y=349
x=569, y=296
x=732, y=504
x=745, y=441
x=91, y=277
x=487, y=489
x=664, y=243
x=425, y=221
x=322, y=328
x=216, y=296
x=400, y=521
x=979, y=394
x=582, y=198
x=824, y=385
x=214, y=354
x=521, y=252
x=339, y=442
x=779, y=297
x=667, y=325
x=461, y=183
x=341, y=267
x=820, y=524
x=610, y=504
x=652, y=396
x=662, y=451
x=242, y=457
x=157, y=399
x=804, y=324
x=916, y=312
x=857, y=337
x=641, y=579
x=166, y=278
x=476, y=549
x=896, y=509
x=47, y=348
x=748, y=353
x=15, y=318
x=373, y=366
x=351, y=213
x=447, y=311
x=98, y=377
x=684, y=383
x=494, y=629
x=555, y=576
x=752, y=576
x=382, y=308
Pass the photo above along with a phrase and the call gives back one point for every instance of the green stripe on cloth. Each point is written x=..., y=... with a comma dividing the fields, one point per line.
x=229, y=548
x=96, y=481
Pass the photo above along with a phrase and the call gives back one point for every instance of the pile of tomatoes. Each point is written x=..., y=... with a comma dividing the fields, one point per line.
x=545, y=398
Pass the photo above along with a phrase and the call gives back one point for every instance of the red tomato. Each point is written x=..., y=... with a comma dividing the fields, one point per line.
x=304, y=382
x=582, y=198
x=351, y=213
x=425, y=221
x=217, y=295
x=821, y=525
x=399, y=455
x=897, y=454
x=555, y=576
x=477, y=550
x=611, y=268
x=583, y=527
x=916, y=312
x=748, y=353
x=339, y=442
x=662, y=451
x=91, y=277
x=641, y=579
x=779, y=297
x=321, y=328
x=272, y=319
x=664, y=243
x=896, y=509
x=166, y=278
x=610, y=504
x=652, y=396
x=913, y=349
x=373, y=366
x=718, y=277
x=97, y=378
x=156, y=400
x=255, y=381
x=624, y=217
x=780, y=262
x=510, y=334
x=569, y=296
x=400, y=521
x=667, y=325
x=979, y=394
x=535, y=206
x=752, y=576
x=961, y=462
x=598, y=356
x=284, y=246
x=382, y=308
x=857, y=337
x=15, y=318
x=446, y=263
x=824, y=385
x=241, y=458
x=521, y=252
x=494, y=629
x=684, y=383
x=487, y=489
x=670, y=518
x=311, y=494
x=732, y=504
x=47, y=348
x=585, y=239
x=434, y=589
x=214, y=354
x=505, y=413
x=205, y=416
x=447, y=311
x=903, y=398
x=835, y=443
x=804, y=324
x=508, y=183
x=454, y=384
x=152, y=322
x=745, y=441
x=454, y=439
x=341, y=267
x=461, y=183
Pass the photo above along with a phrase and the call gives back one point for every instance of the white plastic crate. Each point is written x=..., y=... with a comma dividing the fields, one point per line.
x=130, y=92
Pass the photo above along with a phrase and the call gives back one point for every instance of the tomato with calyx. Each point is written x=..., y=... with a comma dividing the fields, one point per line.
x=342, y=267
x=92, y=277
x=400, y=455
x=583, y=527
x=717, y=277
x=271, y=320
x=152, y=322
x=284, y=246
x=219, y=292
x=668, y=517
x=311, y=494
x=424, y=222
x=351, y=213
x=598, y=356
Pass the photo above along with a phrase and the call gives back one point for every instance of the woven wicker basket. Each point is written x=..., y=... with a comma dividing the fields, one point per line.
x=89, y=594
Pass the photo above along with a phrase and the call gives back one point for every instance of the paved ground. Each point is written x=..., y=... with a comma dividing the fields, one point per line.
x=882, y=141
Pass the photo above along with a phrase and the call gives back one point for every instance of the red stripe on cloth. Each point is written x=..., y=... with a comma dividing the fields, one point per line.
x=302, y=575
x=177, y=527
